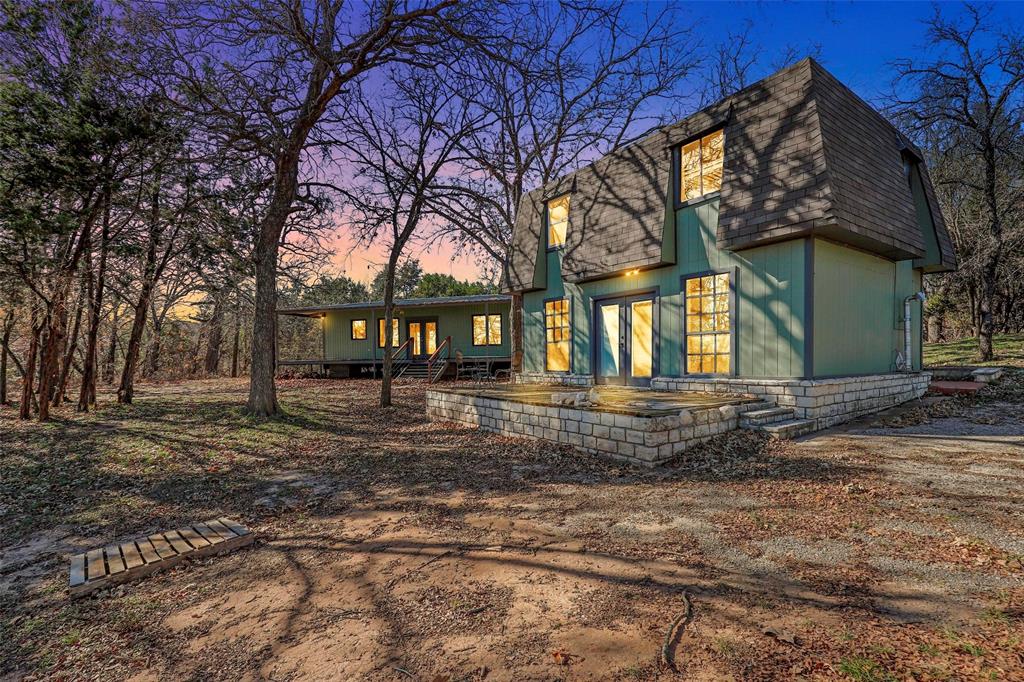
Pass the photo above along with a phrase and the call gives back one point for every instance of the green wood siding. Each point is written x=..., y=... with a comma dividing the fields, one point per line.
x=770, y=301
x=858, y=311
x=454, y=321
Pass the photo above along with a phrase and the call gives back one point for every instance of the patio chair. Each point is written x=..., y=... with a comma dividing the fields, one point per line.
x=513, y=368
x=464, y=370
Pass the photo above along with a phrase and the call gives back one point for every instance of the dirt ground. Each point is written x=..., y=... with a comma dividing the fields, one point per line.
x=391, y=548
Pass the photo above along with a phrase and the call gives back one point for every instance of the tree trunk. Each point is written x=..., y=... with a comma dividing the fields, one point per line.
x=153, y=354
x=389, y=300
x=126, y=390
x=110, y=362
x=69, y=351
x=262, y=391
x=5, y=344
x=990, y=271
x=237, y=339
x=95, y=284
x=25, y=409
x=214, y=338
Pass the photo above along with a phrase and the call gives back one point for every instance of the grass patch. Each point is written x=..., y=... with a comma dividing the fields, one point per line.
x=864, y=670
x=1009, y=352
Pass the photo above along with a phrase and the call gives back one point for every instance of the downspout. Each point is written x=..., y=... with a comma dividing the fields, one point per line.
x=908, y=338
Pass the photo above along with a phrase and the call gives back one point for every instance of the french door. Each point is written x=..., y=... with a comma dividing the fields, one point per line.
x=625, y=349
x=424, y=338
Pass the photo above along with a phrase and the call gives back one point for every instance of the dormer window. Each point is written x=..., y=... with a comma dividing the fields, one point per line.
x=700, y=166
x=558, y=220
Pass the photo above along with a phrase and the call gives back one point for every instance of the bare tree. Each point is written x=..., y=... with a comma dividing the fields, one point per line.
x=279, y=67
x=403, y=149
x=969, y=93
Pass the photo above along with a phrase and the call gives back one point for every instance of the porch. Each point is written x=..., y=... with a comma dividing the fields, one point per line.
x=636, y=425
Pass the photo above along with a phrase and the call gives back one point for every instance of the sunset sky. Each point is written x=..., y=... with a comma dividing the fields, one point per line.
x=855, y=41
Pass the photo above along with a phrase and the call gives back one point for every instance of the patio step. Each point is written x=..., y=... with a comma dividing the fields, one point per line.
x=745, y=408
x=791, y=428
x=772, y=415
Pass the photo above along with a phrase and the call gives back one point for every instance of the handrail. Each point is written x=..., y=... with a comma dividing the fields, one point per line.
x=404, y=346
x=447, y=343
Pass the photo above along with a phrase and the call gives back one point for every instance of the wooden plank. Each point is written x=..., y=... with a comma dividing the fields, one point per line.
x=193, y=538
x=77, y=570
x=132, y=558
x=148, y=552
x=212, y=537
x=221, y=529
x=162, y=547
x=115, y=564
x=234, y=526
x=178, y=542
x=97, y=569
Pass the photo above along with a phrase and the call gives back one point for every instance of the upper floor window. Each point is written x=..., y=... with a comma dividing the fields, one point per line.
x=558, y=220
x=700, y=166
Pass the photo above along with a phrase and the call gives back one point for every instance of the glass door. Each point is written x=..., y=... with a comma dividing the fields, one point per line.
x=610, y=342
x=424, y=338
x=625, y=348
x=416, y=334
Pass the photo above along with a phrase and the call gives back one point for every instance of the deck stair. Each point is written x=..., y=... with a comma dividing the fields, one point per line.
x=415, y=370
x=778, y=422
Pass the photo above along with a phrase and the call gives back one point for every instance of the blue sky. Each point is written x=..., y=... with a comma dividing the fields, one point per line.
x=858, y=40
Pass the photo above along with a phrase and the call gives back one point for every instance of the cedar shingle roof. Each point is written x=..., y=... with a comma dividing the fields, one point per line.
x=803, y=155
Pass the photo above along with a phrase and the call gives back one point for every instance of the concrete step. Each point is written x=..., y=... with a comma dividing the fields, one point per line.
x=791, y=428
x=771, y=415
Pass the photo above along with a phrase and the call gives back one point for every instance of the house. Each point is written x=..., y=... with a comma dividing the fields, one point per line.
x=353, y=341
x=771, y=245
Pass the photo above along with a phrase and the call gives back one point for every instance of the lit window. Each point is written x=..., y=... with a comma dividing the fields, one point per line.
x=394, y=332
x=556, y=327
x=558, y=220
x=708, y=325
x=358, y=330
x=487, y=330
x=700, y=166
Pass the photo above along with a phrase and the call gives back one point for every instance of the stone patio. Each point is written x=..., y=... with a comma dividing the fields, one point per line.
x=636, y=425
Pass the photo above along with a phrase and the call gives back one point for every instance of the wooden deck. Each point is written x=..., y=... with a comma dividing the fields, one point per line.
x=114, y=564
x=638, y=402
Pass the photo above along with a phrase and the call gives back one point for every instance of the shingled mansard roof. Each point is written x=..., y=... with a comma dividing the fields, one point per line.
x=804, y=156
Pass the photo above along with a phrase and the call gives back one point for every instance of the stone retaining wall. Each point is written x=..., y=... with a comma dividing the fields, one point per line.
x=555, y=378
x=640, y=440
x=827, y=401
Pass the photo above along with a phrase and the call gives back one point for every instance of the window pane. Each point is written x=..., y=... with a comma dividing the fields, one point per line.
x=380, y=333
x=712, y=156
x=479, y=331
x=722, y=364
x=722, y=343
x=414, y=334
x=431, y=337
x=558, y=357
x=494, y=330
x=558, y=220
x=693, y=306
x=722, y=283
x=689, y=171
x=693, y=287
x=707, y=364
x=358, y=329
x=707, y=343
x=693, y=364
x=642, y=338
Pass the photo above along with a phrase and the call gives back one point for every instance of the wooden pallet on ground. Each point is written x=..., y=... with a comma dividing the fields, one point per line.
x=115, y=564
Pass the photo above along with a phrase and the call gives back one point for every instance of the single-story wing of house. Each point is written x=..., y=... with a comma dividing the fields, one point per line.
x=439, y=332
